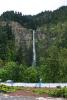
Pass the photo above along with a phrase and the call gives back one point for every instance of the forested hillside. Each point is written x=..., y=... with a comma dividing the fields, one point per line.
x=51, y=46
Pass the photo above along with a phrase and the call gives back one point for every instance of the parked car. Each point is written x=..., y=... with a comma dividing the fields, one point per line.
x=9, y=81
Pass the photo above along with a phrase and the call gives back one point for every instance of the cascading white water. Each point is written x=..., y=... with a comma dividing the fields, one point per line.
x=34, y=50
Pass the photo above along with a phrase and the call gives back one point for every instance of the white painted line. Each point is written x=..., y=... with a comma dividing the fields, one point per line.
x=40, y=98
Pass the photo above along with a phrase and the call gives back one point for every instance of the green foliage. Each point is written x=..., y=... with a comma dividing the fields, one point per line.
x=18, y=73
x=3, y=74
x=62, y=92
x=31, y=74
x=13, y=72
x=51, y=51
x=8, y=89
x=55, y=92
x=6, y=43
x=1, y=63
x=35, y=21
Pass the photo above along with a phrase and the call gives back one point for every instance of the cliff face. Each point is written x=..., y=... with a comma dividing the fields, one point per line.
x=23, y=43
x=22, y=35
x=19, y=47
x=45, y=36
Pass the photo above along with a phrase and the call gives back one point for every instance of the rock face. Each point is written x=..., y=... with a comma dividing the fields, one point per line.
x=22, y=42
x=45, y=37
x=24, y=38
x=22, y=35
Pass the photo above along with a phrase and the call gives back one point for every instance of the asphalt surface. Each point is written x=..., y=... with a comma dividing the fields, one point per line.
x=6, y=97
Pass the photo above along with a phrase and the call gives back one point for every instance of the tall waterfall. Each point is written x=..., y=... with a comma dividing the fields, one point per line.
x=34, y=50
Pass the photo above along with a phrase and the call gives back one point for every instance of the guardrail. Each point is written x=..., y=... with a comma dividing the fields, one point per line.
x=50, y=85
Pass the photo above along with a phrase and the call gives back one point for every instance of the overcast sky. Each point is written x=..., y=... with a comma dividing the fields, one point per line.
x=30, y=6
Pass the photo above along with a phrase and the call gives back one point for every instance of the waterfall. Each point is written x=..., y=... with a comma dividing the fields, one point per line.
x=34, y=50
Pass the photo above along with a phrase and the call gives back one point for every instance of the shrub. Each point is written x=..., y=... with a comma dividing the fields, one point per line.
x=58, y=87
x=58, y=92
x=7, y=89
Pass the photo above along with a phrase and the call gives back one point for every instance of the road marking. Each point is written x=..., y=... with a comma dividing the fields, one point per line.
x=5, y=95
x=41, y=98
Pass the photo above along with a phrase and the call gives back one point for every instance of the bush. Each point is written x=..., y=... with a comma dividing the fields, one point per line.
x=65, y=92
x=58, y=86
x=59, y=92
x=39, y=91
x=7, y=89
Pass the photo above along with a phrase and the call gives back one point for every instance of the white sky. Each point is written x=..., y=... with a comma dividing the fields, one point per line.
x=30, y=6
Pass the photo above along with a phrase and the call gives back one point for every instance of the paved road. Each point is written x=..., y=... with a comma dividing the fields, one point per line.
x=5, y=97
